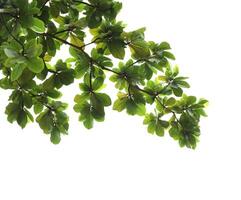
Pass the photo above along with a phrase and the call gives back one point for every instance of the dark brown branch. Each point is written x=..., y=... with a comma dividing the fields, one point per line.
x=49, y=70
x=94, y=41
x=42, y=7
x=137, y=61
x=66, y=30
x=65, y=42
x=107, y=69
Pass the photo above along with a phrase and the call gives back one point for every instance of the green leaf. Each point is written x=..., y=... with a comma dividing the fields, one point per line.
x=139, y=49
x=35, y=65
x=10, y=53
x=55, y=94
x=171, y=101
x=33, y=49
x=22, y=4
x=95, y=20
x=98, y=113
x=177, y=91
x=151, y=127
x=22, y=119
x=146, y=71
x=133, y=108
x=191, y=100
x=98, y=82
x=54, y=10
x=27, y=100
x=84, y=87
x=120, y=104
x=103, y=98
x=79, y=99
x=55, y=136
x=175, y=71
x=85, y=115
x=174, y=133
x=66, y=77
x=80, y=70
x=51, y=46
x=169, y=55
x=29, y=115
x=38, y=25
x=76, y=41
x=164, y=46
x=116, y=48
x=88, y=122
x=45, y=120
x=38, y=107
x=183, y=84
x=17, y=71
x=12, y=111
x=159, y=130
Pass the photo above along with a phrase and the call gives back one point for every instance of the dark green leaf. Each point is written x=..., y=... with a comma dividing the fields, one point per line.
x=103, y=98
x=116, y=48
x=22, y=119
x=177, y=91
x=95, y=20
x=38, y=107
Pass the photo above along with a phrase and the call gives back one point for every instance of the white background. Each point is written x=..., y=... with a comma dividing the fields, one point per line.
x=118, y=159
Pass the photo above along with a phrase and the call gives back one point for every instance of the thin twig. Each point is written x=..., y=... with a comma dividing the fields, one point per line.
x=66, y=30
x=42, y=7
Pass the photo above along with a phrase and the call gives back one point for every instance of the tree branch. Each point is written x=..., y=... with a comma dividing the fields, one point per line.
x=49, y=70
x=137, y=61
x=42, y=7
x=107, y=69
x=81, y=49
x=66, y=30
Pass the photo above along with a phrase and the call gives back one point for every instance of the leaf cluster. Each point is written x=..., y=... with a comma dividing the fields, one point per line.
x=147, y=84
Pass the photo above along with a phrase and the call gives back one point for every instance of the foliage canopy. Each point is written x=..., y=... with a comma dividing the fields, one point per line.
x=33, y=31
